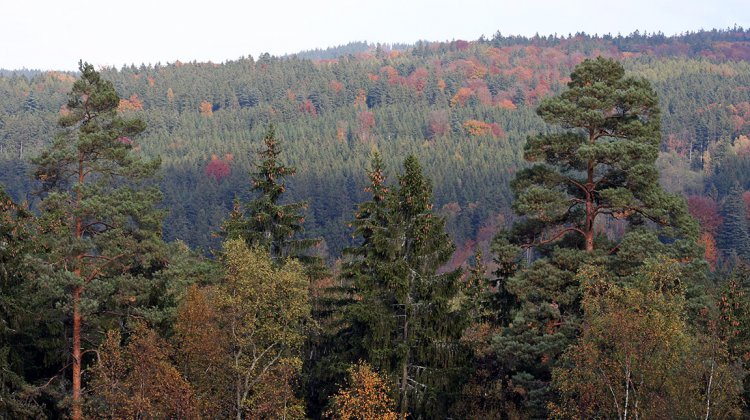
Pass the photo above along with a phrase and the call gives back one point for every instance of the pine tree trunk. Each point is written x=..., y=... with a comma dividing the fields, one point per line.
x=590, y=212
x=77, y=413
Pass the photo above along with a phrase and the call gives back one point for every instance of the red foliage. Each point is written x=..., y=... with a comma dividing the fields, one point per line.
x=308, y=107
x=366, y=122
x=418, y=79
x=217, y=169
x=336, y=86
x=462, y=45
x=706, y=211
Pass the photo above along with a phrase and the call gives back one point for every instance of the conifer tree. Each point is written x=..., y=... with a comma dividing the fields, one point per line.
x=404, y=321
x=18, y=338
x=98, y=218
x=264, y=221
x=600, y=165
x=733, y=233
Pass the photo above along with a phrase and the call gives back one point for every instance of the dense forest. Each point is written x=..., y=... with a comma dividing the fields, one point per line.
x=512, y=227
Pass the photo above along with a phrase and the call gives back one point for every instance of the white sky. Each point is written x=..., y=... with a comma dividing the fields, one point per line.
x=54, y=34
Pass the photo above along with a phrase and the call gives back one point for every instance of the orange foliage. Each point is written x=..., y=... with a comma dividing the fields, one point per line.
x=206, y=108
x=481, y=128
x=132, y=104
x=711, y=255
x=507, y=104
x=361, y=100
x=441, y=84
x=477, y=128
x=364, y=398
x=461, y=96
x=170, y=95
x=391, y=73
x=151, y=81
x=138, y=380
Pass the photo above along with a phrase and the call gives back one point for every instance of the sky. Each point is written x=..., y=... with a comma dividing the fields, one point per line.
x=54, y=35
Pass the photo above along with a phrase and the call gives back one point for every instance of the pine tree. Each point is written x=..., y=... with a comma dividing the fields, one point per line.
x=600, y=166
x=98, y=219
x=404, y=320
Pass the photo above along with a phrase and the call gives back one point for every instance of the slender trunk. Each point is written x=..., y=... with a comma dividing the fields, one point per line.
x=590, y=207
x=590, y=211
x=77, y=291
x=77, y=413
x=708, y=391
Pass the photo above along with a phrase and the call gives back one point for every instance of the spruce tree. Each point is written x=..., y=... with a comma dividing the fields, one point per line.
x=403, y=320
x=98, y=218
x=733, y=233
x=265, y=222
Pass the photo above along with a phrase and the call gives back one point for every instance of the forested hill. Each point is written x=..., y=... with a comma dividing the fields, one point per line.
x=463, y=108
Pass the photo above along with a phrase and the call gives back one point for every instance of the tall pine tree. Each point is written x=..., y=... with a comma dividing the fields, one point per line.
x=599, y=165
x=98, y=218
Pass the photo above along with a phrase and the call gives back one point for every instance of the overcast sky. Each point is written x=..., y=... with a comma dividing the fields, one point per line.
x=54, y=34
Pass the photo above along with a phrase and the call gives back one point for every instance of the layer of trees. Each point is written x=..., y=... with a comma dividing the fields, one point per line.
x=600, y=296
x=464, y=109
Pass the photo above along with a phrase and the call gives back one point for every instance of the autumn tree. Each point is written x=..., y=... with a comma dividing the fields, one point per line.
x=138, y=380
x=202, y=353
x=366, y=396
x=98, y=220
x=263, y=310
x=637, y=356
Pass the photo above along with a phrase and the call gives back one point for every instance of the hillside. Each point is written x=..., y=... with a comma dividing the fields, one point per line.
x=463, y=108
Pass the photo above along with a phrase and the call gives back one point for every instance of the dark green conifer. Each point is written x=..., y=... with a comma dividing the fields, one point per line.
x=264, y=221
x=599, y=165
x=404, y=320
x=733, y=233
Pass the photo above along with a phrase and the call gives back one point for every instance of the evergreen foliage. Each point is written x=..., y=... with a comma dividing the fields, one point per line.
x=404, y=319
x=99, y=225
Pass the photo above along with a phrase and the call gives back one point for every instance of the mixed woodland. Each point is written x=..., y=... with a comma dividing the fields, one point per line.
x=511, y=227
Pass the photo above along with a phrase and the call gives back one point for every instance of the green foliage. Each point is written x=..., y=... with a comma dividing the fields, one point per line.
x=99, y=230
x=403, y=321
x=263, y=310
x=637, y=357
x=600, y=170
